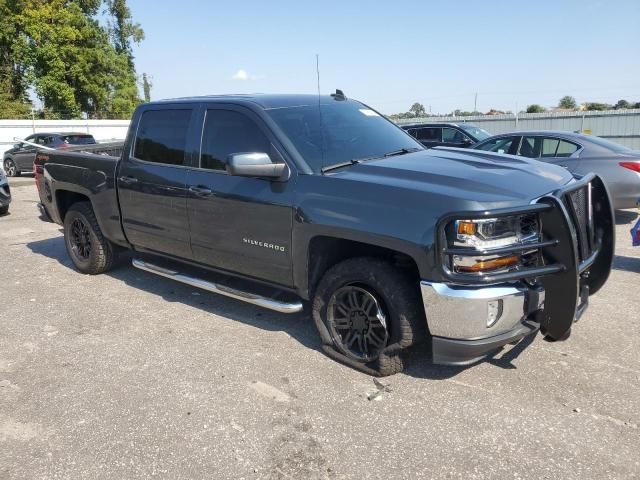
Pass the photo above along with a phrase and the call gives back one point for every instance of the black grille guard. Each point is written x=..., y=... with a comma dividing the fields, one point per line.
x=559, y=232
x=576, y=247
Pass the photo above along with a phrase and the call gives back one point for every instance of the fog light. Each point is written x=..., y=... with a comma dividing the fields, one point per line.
x=494, y=312
x=482, y=264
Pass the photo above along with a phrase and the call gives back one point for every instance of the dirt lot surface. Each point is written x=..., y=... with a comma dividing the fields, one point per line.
x=128, y=375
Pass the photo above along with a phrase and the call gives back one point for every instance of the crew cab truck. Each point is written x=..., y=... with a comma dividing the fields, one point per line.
x=278, y=200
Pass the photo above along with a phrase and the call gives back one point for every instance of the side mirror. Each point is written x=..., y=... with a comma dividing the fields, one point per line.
x=18, y=146
x=256, y=164
x=466, y=141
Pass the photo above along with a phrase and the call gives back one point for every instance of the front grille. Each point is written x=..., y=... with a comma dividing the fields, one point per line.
x=578, y=202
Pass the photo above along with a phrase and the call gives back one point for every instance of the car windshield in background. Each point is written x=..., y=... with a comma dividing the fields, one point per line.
x=78, y=139
x=478, y=133
x=614, y=147
x=340, y=132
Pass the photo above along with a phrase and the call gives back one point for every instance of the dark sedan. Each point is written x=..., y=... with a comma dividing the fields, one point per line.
x=460, y=135
x=618, y=165
x=5, y=193
x=20, y=158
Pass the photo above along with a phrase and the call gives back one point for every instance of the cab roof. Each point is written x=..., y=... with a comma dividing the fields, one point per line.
x=263, y=100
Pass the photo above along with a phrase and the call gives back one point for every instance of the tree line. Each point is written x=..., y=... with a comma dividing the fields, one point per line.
x=566, y=103
x=75, y=56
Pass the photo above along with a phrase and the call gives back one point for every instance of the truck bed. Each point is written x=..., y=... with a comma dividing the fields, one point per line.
x=65, y=176
x=113, y=149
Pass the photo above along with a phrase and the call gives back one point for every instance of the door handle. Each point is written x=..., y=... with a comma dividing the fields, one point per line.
x=128, y=180
x=200, y=191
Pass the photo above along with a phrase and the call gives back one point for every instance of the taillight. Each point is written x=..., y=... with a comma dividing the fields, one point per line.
x=635, y=166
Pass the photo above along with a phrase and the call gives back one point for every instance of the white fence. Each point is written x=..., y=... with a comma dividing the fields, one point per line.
x=620, y=126
x=102, y=130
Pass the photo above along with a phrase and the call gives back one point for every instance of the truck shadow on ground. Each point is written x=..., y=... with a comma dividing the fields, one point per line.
x=627, y=264
x=625, y=216
x=298, y=326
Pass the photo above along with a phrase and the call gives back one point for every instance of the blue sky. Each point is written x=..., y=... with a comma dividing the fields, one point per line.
x=391, y=54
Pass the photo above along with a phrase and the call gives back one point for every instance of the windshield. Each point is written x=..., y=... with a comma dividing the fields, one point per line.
x=478, y=133
x=614, y=147
x=339, y=132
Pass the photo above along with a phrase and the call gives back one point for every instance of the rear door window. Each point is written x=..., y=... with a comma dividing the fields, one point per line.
x=227, y=132
x=162, y=136
x=566, y=149
x=79, y=139
x=451, y=135
x=498, y=145
x=550, y=147
x=430, y=134
x=530, y=147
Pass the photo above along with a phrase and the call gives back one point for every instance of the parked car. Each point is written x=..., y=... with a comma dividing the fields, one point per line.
x=460, y=135
x=280, y=199
x=20, y=158
x=616, y=164
x=5, y=193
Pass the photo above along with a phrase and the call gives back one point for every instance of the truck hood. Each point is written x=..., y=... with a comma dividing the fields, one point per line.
x=488, y=178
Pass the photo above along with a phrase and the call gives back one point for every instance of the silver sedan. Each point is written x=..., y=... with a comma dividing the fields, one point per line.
x=618, y=166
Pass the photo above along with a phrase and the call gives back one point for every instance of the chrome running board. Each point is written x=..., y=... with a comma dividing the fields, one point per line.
x=258, y=300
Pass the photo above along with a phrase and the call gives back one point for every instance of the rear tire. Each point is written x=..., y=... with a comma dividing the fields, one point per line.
x=4, y=210
x=90, y=252
x=368, y=313
x=11, y=168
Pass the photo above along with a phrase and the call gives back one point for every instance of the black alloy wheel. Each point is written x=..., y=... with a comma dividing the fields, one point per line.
x=357, y=322
x=80, y=239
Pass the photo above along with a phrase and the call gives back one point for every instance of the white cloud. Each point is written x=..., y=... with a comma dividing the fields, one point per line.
x=240, y=75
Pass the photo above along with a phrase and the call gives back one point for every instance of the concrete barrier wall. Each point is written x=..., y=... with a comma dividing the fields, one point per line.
x=102, y=130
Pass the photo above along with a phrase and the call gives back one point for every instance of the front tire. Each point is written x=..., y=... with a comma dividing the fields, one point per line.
x=4, y=210
x=11, y=168
x=90, y=252
x=368, y=313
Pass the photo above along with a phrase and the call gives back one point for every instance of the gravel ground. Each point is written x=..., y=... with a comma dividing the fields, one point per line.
x=128, y=375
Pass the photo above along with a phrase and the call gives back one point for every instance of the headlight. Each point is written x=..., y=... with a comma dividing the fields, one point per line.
x=489, y=234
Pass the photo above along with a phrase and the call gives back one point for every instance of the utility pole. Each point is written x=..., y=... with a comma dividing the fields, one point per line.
x=475, y=102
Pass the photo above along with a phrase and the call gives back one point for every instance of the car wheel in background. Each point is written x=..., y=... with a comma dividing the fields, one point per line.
x=11, y=168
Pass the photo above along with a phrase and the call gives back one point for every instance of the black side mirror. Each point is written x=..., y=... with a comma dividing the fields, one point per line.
x=466, y=141
x=256, y=164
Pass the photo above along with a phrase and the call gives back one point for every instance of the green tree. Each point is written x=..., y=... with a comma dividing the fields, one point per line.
x=14, y=101
x=123, y=29
x=622, y=104
x=418, y=110
x=535, y=108
x=68, y=58
x=597, y=106
x=146, y=87
x=568, y=102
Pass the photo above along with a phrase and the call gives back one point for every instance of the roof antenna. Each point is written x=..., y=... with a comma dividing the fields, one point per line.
x=320, y=111
x=318, y=74
x=339, y=95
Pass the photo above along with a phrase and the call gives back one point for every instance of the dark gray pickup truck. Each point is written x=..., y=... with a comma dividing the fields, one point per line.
x=280, y=199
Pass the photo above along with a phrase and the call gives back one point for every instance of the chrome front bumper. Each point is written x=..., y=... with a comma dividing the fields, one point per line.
x=467, y=322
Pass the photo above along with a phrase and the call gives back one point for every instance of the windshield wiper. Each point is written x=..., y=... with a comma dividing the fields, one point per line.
x=354, y=161
x=340, y=165
x=402, y=151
